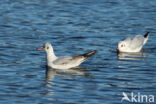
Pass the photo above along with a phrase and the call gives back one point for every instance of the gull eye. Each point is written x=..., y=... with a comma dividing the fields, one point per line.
x=47, y=47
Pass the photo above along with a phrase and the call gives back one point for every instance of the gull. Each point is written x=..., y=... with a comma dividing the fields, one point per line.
x=64, y=62
x=133, y=44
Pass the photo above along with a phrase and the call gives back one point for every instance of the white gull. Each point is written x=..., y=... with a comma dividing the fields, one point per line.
x=64, y=62
x=134, y=44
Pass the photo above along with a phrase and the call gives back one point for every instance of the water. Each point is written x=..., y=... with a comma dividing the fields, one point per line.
x=75, y=27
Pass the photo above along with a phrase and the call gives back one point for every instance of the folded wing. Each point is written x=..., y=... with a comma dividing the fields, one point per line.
x=71, y=60
x=68, y=60
x=137, y=42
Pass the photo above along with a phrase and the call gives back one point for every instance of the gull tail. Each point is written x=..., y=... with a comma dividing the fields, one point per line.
x=146, y=35
x=87, y=55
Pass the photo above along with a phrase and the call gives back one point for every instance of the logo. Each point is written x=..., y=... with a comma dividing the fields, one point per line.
x=140, y=98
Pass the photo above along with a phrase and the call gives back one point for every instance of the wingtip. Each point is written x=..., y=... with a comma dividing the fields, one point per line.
x=90, y=53
x=146, y=35
x=95, y=51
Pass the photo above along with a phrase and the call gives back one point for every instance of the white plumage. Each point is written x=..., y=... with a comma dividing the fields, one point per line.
x=64, y=62
x=134, y=44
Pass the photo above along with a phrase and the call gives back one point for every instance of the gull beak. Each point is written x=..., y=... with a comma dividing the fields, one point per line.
x=40, y=48
x=117, y=48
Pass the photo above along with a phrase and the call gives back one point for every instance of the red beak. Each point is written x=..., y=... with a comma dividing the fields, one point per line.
x=40, y=48
x=117, y=48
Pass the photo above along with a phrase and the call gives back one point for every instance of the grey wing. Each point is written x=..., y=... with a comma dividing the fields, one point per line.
x=63, y=60
x=70, y=60
x=138, y=41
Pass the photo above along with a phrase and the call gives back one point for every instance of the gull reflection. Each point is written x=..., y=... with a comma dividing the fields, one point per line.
x=131, y=56
x=51, y=73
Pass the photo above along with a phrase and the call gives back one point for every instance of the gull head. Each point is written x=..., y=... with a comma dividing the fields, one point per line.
x=122, y=46
x=47, y=47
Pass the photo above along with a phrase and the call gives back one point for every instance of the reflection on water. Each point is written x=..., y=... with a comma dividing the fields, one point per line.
x=131, y=56
x=73, y=27
x=51, y=73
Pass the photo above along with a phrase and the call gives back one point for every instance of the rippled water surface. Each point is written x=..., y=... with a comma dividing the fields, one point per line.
x=75, y=27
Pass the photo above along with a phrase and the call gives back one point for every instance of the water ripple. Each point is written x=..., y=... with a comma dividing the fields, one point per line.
x=74, y=27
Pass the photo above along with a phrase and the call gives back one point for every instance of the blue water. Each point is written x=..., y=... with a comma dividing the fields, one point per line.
x=75, y=27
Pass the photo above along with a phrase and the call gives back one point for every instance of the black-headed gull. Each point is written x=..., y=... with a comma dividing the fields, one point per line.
x=134, y=44
x=64, y=62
